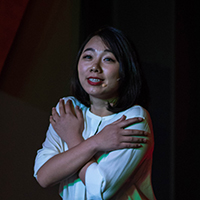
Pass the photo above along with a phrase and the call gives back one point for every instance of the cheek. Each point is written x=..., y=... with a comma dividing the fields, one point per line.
x=82, y=77
x=82, y=67
x=80, y=71
x=113, y=74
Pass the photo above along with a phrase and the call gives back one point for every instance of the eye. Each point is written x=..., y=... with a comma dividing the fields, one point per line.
x=87, y=57
x=109, y=59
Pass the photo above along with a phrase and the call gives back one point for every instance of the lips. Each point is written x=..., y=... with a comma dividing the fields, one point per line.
x=95, y=81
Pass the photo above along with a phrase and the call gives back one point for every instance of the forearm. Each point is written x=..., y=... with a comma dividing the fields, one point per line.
x=75, y=141
x=67, y=163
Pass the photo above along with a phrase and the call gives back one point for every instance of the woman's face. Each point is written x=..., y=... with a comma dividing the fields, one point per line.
x=98, y=70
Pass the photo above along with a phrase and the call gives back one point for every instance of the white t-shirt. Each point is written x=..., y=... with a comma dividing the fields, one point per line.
x=121, y=174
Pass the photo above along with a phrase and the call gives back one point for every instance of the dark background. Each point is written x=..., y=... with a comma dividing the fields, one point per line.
x=39, y=64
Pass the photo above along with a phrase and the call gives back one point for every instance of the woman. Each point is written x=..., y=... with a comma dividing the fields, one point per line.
x=99, y=144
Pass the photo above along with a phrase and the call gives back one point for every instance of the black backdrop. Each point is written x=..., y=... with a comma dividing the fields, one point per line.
x=38, y=68
x=174, y=90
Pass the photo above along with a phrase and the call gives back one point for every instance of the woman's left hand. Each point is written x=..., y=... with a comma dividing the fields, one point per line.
x=69, y=125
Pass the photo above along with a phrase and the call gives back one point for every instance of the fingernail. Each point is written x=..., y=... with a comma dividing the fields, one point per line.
x=144, y=140
x=140, y=118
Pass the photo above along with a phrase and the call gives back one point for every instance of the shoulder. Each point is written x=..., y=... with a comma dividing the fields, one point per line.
x=136, y=111
x=145, y=125
x=139, y=111
x=74, y=101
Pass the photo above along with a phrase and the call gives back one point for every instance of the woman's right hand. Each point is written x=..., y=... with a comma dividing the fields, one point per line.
x=114, y=136
x=69, y=124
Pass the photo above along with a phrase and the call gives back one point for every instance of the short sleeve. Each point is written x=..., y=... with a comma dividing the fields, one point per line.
x=105, y=178
x=52, y=146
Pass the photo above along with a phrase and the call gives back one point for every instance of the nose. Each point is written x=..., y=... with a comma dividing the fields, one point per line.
x=96, y=68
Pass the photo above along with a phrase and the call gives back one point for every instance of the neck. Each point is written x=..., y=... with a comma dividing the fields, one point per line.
x=99, y=107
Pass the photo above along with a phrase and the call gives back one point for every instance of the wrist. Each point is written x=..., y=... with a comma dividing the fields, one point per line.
x=74, y=141
x=94, y=143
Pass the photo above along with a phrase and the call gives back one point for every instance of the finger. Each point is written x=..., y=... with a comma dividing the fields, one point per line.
x=129, y=139
x=79, y=112
x=120, y=119
x=51, y=120
x=130, y=145
x=61, y=107
x=130, y=121
x=72, y=107
x=55, y=114
x=69, y=108
x=133, y=132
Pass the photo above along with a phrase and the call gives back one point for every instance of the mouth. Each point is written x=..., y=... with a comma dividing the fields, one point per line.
x=94, y=81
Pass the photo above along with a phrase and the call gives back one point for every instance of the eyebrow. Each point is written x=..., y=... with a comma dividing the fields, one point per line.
x=91, y=49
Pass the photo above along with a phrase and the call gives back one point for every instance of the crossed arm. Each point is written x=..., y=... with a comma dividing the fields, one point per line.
x=69, y=126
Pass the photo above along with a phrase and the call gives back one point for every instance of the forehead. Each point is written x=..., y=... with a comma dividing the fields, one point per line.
x=96, y=43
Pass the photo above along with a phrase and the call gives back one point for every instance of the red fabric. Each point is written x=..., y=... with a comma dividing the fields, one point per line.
x=11, y=13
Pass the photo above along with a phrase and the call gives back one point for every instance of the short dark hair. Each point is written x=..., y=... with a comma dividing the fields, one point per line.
x=130, y=82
